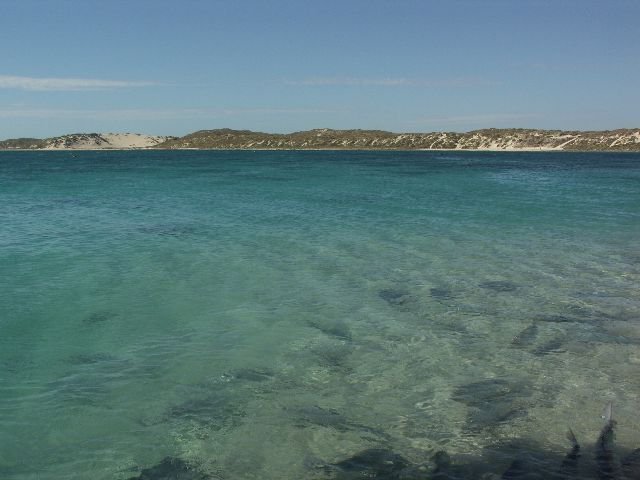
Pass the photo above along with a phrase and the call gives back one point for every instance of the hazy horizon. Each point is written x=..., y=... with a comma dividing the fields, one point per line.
x=302, y=131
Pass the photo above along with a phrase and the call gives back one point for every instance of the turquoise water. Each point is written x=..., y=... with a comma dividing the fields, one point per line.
x=258, y=314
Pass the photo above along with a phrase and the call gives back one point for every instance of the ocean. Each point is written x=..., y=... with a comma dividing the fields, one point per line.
x=270, y=314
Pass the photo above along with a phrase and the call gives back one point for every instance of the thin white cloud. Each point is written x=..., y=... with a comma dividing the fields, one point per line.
x=477, y=120
x=151, y=114
x=391, y=82
x=276, y=111
x=49, y=84
x=570, y=66
x=129, y=113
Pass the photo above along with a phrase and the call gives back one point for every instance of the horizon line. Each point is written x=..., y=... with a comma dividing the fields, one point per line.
x=341, y=130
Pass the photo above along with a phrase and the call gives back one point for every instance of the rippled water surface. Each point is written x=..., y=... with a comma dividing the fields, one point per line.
x=267, y=315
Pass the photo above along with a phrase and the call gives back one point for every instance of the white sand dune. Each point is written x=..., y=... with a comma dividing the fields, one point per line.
x=103, y=141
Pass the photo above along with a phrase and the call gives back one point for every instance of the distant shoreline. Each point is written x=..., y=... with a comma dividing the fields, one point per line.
x=522, y=150
x=487, y=140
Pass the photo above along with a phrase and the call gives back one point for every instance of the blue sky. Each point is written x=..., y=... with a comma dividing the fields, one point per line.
x=173, y=67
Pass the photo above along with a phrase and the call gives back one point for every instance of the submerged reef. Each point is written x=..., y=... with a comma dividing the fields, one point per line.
x=515, y=460
x=171, y=468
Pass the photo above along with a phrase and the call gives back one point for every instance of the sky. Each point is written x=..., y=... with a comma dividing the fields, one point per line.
x=171, y=67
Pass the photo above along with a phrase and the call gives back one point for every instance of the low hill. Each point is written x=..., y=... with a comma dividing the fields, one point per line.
x=488, y=139
x=21, y=143
x=491, y=139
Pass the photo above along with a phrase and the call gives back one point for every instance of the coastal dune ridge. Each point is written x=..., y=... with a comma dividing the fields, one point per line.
x=87, y=141
x=492, y=139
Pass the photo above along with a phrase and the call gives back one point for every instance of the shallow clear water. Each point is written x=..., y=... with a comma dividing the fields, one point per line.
x=258, y=314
